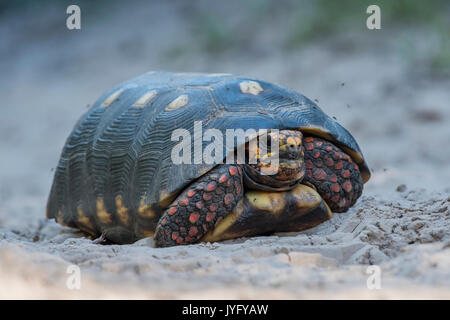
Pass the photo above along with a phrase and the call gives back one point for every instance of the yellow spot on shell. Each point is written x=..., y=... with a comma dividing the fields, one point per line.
x=59, y=218
x=122, y=212
x=145, y=211
x=292, y=141
x=84, y=220
x=251, y=87
x=146, y=233
x=142, y=101
x=112, y=98
x=102, y=214
x=178, y=103
x=165, y=199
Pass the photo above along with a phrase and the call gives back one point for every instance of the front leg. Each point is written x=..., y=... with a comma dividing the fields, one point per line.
x=200, y=206
x=333, y=174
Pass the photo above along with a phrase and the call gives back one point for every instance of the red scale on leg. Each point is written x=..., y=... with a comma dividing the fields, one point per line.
x=347, y=186
x=329, y=162
x=228, y=199
x=345, y=173
x=194, y=217
x=211, y=186
x=319, y=174
x=191, y=193
x=223, y=178
x=193, y=231
x=335, y=187
x=339, y=165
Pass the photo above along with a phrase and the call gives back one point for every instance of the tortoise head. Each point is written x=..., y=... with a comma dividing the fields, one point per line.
x=262, y=173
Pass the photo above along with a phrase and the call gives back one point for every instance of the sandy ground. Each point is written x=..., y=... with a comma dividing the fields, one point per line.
x=396, y=110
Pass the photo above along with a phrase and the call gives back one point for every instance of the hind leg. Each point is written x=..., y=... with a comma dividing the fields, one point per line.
x=197, y=209
x=333, y=174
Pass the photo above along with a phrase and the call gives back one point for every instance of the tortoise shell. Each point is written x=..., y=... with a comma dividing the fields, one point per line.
x=116, y=169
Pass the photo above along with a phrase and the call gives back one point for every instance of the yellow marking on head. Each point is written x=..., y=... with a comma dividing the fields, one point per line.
x=251, y=87
x=145, y=211
x=142, y=101
x=178, y=103
x=273, y=202
x=293, y=141
x=102, y=214
x=84, y=220
x=112, y=98
x=122, y=212
x=146, y=233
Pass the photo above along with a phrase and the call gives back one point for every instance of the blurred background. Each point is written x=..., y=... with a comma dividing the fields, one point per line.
x=389, y=87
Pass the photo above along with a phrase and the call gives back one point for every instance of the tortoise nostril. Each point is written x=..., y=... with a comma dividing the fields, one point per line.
x=293, y=148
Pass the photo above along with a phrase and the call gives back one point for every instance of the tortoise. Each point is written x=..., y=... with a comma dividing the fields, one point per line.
x=117, y=180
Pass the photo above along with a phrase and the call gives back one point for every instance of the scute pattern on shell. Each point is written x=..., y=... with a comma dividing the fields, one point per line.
x=123, y=149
